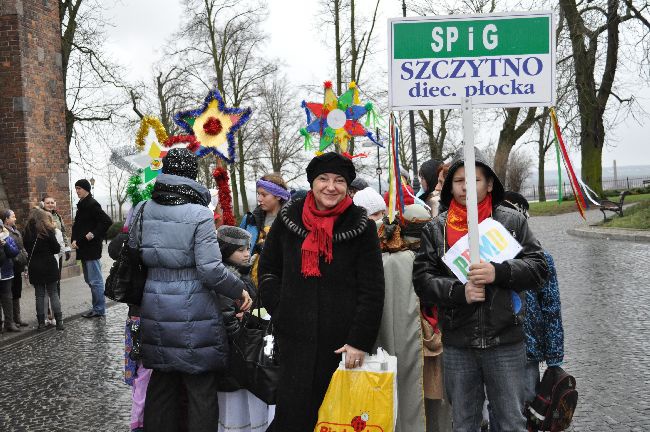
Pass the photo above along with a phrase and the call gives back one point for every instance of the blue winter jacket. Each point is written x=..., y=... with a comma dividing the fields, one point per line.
x=543, y=322
x=11, y=250
x=181, y=322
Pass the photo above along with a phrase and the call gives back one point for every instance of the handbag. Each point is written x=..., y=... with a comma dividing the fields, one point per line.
x=128, y=274
x=254, y=357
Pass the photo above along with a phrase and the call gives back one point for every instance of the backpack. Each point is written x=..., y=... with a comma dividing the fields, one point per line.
x=556, y=400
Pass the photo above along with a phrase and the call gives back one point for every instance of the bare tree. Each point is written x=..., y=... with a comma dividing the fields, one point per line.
x=589, y=26
x=89, y=76
x=277, y=123
x=519, y=166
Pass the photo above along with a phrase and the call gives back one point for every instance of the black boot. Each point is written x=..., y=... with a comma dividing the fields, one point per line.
x=19, y=322
x=59, y=321
x=41, y=322
x=8, y=309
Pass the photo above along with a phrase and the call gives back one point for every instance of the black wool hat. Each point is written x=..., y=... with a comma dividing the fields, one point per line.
x=83, y=184
x=332, y=163
x=232, y=238
x=181, y=162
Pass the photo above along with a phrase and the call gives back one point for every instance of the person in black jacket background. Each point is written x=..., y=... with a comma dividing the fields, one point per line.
x=88, y=231
x=482, y=320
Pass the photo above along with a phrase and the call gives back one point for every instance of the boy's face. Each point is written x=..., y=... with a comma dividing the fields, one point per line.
x=483, y=185
x=240, y=257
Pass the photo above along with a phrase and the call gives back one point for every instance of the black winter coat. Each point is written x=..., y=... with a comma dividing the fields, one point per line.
x=43, y=266
x=313, y=316
x=492, y=322
x=90, y=218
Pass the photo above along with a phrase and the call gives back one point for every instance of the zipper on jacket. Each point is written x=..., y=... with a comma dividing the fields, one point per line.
x=481, y=326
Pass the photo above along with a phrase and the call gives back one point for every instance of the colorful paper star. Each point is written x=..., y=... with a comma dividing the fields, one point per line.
x=337, y=119
x=149, y=140
x=214, y=126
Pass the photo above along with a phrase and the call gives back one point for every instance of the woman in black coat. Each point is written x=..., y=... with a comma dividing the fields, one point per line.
x=321, y=279
x=40, y=241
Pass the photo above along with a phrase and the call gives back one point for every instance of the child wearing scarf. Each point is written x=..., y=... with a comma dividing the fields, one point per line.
x=482, y=320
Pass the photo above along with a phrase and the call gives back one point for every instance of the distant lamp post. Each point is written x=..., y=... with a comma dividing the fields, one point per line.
x=92, y=184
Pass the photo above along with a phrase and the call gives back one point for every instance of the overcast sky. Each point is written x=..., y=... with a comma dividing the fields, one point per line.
x=297, y=38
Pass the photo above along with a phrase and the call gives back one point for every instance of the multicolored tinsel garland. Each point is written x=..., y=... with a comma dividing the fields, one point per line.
x=212, y=128
x=573, y=180
x=135, y=189
x=146, y=124
x=220, y=176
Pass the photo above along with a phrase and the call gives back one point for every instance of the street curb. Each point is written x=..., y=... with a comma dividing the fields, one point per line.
x=26, y=334
x=638, y=236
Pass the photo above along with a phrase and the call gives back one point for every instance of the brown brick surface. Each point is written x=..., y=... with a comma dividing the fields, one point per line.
x=34, y=151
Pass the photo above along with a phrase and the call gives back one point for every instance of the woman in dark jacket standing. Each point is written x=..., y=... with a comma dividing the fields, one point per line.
x=321, y=278
x=20, y=261
x=40, y=241
x=8, y=250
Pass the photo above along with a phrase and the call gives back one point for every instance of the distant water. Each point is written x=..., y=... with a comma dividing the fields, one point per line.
x=622, y=172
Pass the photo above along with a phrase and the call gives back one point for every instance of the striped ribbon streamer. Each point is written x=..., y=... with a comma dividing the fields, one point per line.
x=573, y=180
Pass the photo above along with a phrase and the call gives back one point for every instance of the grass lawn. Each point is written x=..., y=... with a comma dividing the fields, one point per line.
x=637, y=217
x=550, y=208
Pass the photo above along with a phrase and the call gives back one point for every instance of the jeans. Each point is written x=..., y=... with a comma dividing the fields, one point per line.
x=41, y=304
x=531, y=384
x=500, y=371
x=162, y=404
x=93, y=276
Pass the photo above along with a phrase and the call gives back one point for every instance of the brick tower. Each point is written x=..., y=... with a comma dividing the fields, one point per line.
x=33, y=148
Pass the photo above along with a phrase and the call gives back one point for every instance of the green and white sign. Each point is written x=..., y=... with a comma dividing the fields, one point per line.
x=499, y=60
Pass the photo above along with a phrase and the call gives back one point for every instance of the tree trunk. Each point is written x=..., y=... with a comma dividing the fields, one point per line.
x=337, y=38
x=541, y=190
x=242, y=179
x=591, y=158
x=508, y=137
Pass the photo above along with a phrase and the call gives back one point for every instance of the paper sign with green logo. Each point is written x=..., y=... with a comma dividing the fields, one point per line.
x=499, y=60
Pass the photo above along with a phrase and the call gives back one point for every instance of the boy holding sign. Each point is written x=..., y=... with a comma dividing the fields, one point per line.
x=481, y=319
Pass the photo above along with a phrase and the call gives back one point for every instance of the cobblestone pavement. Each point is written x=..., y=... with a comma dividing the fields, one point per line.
x=605, y=291
x=67, y=380
x=72, y=380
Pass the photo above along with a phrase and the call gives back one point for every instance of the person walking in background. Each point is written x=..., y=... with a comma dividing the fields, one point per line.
x=9, y=251
x=89, y=229
x=49, y=205
x=43, y=269
x=20, y=261
x=481, y=320
x=184, y=340
x=322, y=281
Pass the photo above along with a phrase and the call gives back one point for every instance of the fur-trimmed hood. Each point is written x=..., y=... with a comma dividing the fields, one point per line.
x=350, y=224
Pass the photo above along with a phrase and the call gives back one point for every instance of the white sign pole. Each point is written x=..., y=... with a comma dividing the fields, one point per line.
x=470, y=180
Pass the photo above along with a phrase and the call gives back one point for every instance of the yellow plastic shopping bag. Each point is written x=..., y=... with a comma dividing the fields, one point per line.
x=362, y=399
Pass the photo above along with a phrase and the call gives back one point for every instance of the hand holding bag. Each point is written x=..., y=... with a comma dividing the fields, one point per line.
x=128, y=274
x=254, y=357
x=362, y=399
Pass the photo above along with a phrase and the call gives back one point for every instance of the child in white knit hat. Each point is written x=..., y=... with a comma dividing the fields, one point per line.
x=374, y=204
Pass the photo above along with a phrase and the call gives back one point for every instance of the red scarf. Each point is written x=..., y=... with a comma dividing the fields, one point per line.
x=457, y=218
x=320, y=224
